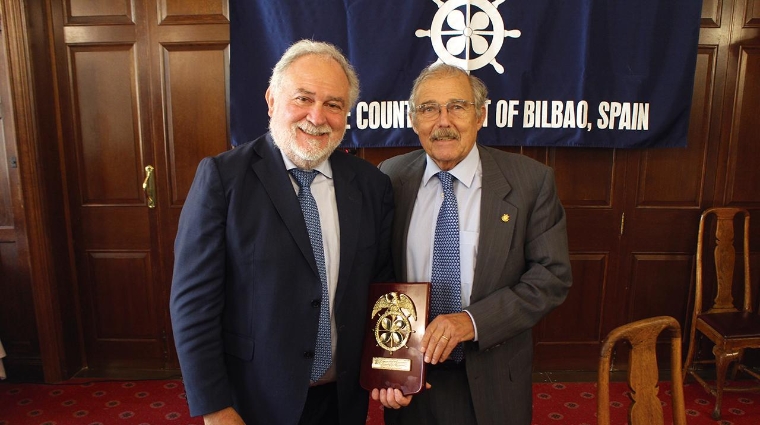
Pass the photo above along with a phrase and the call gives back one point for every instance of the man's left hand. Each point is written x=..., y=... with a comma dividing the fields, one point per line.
x=444, y=333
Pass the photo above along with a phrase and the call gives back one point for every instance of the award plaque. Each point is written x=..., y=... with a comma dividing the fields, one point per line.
x=391, y=357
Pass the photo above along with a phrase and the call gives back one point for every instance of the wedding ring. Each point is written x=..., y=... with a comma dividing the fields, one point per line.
x=444, y=337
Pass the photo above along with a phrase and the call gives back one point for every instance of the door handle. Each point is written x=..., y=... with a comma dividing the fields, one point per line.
x=149, y=186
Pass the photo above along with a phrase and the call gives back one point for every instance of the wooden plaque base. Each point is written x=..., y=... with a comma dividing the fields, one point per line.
x=398, y=317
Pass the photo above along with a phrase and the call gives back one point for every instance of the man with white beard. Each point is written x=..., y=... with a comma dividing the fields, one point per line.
x=278, y=241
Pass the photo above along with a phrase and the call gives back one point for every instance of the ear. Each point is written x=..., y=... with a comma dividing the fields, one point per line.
x=482, y=118
x=269, y=96
x=414, y=123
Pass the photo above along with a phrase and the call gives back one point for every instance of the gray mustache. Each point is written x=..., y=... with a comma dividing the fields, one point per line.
x=444, y=134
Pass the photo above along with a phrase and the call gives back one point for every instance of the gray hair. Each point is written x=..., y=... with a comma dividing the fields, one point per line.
x=318, y=48
x=438, y=70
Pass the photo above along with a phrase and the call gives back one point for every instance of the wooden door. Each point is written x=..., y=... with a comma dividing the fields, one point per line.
x=590, y=183
x=143, y=86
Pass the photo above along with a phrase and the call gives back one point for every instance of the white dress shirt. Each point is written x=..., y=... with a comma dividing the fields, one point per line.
x=323, y=190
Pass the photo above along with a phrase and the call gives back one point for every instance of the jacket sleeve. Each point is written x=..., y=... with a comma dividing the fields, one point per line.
x=537, y=276
x=197, y=292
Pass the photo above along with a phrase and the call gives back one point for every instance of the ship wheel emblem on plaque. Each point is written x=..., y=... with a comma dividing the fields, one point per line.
x=392, y=329
x=476, y=35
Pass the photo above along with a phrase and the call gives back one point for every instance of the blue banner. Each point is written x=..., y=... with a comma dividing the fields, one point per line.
x=589, y=73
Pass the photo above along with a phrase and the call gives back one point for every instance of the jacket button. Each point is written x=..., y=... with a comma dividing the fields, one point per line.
x=316, y=303
x=308, y=354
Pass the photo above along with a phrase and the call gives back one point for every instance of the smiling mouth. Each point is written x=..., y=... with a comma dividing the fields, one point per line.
x=313, y=131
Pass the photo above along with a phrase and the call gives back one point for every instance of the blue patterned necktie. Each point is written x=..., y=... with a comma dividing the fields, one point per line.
x=446, y=280
x=323, y=350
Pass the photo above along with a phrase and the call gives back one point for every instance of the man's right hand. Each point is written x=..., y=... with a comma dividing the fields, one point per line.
x=393, y=398
x=226, y=416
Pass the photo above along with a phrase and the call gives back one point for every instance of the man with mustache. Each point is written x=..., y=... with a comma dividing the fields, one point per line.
x=278, y=241
x=487, y=229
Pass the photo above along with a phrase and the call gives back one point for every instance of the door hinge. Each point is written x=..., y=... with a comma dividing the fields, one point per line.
x=14, y=162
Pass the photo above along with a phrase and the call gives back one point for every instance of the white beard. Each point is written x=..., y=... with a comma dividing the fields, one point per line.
x=312, y=153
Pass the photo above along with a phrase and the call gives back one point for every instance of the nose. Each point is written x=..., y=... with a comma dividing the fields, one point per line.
x=317, y=114
x=443, y=118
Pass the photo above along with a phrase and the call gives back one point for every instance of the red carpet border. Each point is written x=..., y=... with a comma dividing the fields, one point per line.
x=163, y=402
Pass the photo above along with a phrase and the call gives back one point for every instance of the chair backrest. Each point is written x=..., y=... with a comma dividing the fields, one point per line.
x=724, y=259
x=646, y=407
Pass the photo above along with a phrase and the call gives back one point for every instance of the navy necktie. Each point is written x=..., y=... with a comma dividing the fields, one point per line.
x=323, y=350
x=446, y=279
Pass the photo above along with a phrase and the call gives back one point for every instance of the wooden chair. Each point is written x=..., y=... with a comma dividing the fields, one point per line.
x=730, y=328
x=646, y=408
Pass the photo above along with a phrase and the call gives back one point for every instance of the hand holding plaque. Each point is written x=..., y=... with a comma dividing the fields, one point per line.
x=391, y=357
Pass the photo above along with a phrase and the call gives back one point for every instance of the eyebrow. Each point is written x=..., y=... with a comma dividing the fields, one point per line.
x=452, y=99
x=313, y=94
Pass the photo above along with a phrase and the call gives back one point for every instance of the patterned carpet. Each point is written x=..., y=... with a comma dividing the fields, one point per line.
x=163, y=402
x=575, y=403
x=95, y=402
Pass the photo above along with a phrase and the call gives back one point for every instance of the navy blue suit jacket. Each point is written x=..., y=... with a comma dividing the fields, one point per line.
x=245, y=279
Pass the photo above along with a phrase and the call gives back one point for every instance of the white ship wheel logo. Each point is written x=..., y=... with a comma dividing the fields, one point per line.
x=468, y=32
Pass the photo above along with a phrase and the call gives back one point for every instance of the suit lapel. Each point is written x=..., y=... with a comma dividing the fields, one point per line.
x=497, y=220
x=406, y=196
x=270, y=169
x=349, y=201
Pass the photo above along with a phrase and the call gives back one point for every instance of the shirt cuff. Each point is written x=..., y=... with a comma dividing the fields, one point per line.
x=474, y=326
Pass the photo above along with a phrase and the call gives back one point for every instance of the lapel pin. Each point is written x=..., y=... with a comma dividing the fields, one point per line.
x=505, y=218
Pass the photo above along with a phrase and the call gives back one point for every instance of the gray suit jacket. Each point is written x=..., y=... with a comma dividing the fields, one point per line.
x=522, y=272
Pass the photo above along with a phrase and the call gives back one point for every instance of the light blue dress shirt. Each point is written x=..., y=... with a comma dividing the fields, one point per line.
x=419, y=249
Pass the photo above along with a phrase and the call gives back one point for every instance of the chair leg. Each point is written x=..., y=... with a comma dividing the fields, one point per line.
x=689, y=357
x=722, y=360
x=737, y=362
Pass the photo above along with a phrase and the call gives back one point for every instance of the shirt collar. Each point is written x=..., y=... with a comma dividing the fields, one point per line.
x=323, y=168
x=464, y=171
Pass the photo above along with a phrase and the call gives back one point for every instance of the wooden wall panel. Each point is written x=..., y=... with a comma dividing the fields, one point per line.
x=88, y=8
x=193, y=11
x=578, y=319
x=659, y=285
x=103, y=232
x=711, y=13
x=659, y=185
x=573, y=328
x=117, y=296
x=196, y=110
x=743, y=172
x=108, y=146
x=101, y=12
x=18, y=323
x=18, y=328
x=6, y=207
x=752, y=14
x=376, y=155
x=584, y=176
x=123, y=319
x=587, y=181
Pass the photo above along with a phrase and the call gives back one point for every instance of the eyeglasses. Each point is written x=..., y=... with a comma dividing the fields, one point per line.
x=456, y=108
